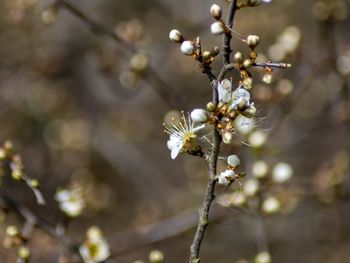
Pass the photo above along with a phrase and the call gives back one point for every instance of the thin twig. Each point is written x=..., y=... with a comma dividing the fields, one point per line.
x=272, y=65
x=227, y=39
x=22, y=211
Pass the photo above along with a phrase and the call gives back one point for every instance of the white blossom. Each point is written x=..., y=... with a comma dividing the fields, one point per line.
x=271, y=205
x=225, y=90
x=251, y=187
x=260, y=169
x=181, y=134
x=244, y=125
x=95, y=248
x=257, y=139
x=71, y=202
x=282, y=172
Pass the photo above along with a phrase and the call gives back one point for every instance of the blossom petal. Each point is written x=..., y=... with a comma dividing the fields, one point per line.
x=176, y=149
x=224, y=94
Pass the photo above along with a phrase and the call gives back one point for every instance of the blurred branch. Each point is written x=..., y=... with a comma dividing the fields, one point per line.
x=168, y=94
x=32, y=220
x=272, y=65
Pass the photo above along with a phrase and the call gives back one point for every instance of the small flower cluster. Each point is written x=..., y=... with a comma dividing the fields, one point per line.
x=11, y=163
x=14, y=238
x=261, y=184
x=95, y=248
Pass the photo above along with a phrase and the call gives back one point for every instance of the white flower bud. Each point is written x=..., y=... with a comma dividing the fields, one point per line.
x=226, y=177
x=215, y=11
x=247, y=63
x=244, y=125
x=253, y=41
x=251, y=187
x=257, y=139
x=187, y=47
x=227, y=137
x=263, y=257
x=217, y=28
x=267, y=78
x=233, y=160
x=249, y=111
x=238, y=57
x=156, y=256
x=176, y=36
x=271, y=205
x=248, y=83
x=282, y=172
x=260, y=169
x=199, y=116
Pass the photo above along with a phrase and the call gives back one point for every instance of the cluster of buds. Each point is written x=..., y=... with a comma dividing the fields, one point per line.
x=230, y=174
x=14, y=238
x=11, y=163
x=194, y=48
x=262, y=185
x=218, y=27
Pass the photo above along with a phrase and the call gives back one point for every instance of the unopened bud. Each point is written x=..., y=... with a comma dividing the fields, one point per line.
x=49, y=15
x=267, y=78
x=217, y=28
x=233, y=160
x=210, y=106
x=199, y=116
x=253, y=41
x=215, y=51
x=227, y=137
x=24, y=252
x=176, y=36
x=215, y=11
x=249, y=111
x=156, y=256
x=247, y=83
x=238, y=57
x=187, y=48
x=247, y=63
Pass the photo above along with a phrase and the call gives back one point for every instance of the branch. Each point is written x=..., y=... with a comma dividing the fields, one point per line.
x=227, y=39
x=33, y=220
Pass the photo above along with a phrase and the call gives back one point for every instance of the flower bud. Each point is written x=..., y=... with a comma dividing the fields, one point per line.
x=187, y=47
x=257, y=139
x=227, y=137
x=217, y=28
x=226, y=177
x=156, y=256
x=210, y=106
x=199, y=116
x=248, y=83
x=282, y=172
x=24, y=253
x=49, y=15
x=263, y=257
x=233, y=160
x=238, y=57
x=176, y=36
x=252, y=41
x=215, y=11
x=249, y=111
x=267, y=78
x=271, y=205
x=251, y=187
x=215, y=51
x=260, y=169
x=247, y=63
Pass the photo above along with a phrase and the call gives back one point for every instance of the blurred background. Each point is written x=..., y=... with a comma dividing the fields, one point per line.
x=85, y=111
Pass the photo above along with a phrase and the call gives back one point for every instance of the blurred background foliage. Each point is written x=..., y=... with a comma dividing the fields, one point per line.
x=81, y=111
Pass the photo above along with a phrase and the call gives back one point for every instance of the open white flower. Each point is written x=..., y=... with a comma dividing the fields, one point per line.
x=182, y=135
x=95, y=248
x=225, y=90
x=238, y=96
x=71, y=202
